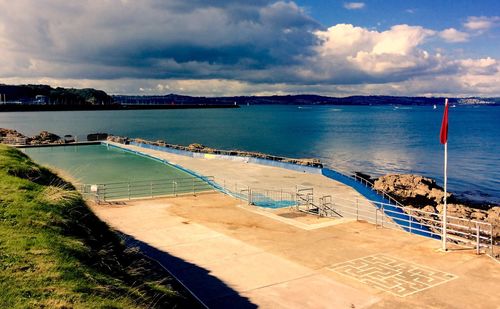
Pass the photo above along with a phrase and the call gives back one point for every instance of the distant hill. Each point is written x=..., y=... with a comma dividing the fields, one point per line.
x=44, y=94
x=69, y=98
x=303, y=99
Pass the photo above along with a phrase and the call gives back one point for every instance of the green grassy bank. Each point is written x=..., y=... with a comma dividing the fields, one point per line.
x=54, y=252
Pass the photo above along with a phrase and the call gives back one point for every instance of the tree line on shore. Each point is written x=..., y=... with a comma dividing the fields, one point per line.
x=44, y=94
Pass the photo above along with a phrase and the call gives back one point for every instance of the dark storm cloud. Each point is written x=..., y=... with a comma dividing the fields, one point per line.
x=157, y=39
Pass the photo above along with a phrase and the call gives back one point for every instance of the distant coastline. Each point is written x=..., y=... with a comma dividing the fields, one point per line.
x=18, y=98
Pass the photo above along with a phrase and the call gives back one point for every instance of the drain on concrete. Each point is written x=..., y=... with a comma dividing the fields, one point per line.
x=392, y=275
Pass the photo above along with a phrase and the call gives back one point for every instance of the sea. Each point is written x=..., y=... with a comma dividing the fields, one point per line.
x=375, y=140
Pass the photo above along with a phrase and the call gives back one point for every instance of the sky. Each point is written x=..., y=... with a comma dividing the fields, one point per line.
x=258, y=47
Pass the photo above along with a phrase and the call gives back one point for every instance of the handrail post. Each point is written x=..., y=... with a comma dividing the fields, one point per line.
x=478, y=240
x=411, y=219
x=128, y=189
x=491, y=239
x=194, y=190
x=357, y=210
x=383, y=215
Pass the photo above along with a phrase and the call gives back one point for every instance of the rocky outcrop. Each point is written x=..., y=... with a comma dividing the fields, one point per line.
x=411, y=189
x=12, y=137
x=9, y=136
x=10, y=133
x=44, y=138
x=422, y=193
x=118, y=139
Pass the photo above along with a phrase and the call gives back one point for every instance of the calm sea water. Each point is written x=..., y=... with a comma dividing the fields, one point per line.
x=373, y=139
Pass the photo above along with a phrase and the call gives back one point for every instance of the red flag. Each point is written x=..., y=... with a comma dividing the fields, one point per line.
x=443, y=138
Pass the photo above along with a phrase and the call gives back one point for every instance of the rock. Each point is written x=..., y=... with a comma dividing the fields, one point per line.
x=479, y=215
x=44, y=138
x=430, y=209
x=140, y=141
x=97, y=137
x=10, y=133
x=160, y=143
x=117, y=139
x=195, y=147
x=12, y=137
x=411, y=189
x=437, y=194
x=456, y=210
x=494, y=215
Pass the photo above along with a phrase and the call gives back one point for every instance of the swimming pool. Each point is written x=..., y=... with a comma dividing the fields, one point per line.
x=94, y=164
x=118, y=173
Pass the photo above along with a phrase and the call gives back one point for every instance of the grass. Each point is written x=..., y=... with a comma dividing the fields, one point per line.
x=54, y=252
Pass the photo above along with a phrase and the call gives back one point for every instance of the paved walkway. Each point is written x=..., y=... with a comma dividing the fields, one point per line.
x=232, y=257
x=222, y=271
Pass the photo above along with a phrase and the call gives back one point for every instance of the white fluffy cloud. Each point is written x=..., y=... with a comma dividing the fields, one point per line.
x=362, y=54
x=354, y=5
x=481, y=23
x=452, y=35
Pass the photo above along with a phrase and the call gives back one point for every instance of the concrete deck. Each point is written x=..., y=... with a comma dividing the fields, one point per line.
x=233, y=257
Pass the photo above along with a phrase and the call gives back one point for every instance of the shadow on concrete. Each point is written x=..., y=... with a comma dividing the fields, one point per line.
x=212, y=291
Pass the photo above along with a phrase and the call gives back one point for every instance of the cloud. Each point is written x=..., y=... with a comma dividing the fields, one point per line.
x=152, y=38
x=452, y=35
x=354, y=5
x=481, y=23
x=350, y=54
x=228, y=47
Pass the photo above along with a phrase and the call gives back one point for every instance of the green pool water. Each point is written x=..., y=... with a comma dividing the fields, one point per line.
x=98, y=164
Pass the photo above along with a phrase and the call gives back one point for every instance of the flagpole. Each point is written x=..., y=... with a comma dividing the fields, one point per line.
x=445, y=214
x=445, y=206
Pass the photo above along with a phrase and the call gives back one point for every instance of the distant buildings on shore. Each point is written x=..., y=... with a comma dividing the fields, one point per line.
x=474, y=101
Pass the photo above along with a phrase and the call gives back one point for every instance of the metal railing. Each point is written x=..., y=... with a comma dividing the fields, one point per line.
x=412, y=220
x=304, y=198
x=147, y=188
x=271, y=198
x=394, y=216
x=369, y=184
x=262, y=197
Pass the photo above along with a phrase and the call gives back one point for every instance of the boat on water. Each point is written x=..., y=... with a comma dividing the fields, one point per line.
x=435, y=106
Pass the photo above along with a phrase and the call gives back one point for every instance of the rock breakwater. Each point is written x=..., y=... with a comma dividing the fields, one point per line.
x=199, y=148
